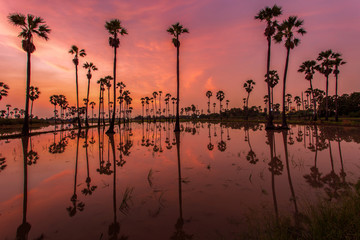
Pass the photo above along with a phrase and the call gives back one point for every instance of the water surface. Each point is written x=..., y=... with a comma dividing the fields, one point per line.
x=146, y=182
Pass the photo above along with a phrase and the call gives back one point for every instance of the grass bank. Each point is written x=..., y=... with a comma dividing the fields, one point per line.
x=338, y=219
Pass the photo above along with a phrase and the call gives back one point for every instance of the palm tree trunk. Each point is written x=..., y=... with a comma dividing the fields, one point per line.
x=269, y=124
x=314, y=100
x=336, y=99
x=77, y=95
x=326, y=99
x=177, y=124
x=87, y=103
x=99, y=116
x=284, y=124
x=32, y=103
x=112, y=123
x=25, y=129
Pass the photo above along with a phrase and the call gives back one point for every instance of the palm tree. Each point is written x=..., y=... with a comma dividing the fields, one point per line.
x=273, y=81
x=208, y=95
x=160, y=92
x=214, y=105
x=92, y=104
x=4, y=90
x=227, y=104
x=220, y=95
x=89, y=66
x=337, y=62
x=249, y=86
x=114, y=28
x=8, y=106
x=121, y=85
x=54, y=100
x=33, y=95
x=308, y=67
x=30, y=26
x=176, y=30
x=297, y=100
x=75, y=50
x=325, y=68
x=288, y=97
x=102, y=82
x=155, y=95
x=267, y=14
x=142, y=104
x=286, y=31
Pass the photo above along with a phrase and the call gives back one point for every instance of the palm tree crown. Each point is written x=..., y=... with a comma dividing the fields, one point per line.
x=176, y=30
x=30, y=25
x=114, y=27
x=286, y=31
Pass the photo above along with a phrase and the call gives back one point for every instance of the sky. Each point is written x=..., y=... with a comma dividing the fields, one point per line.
x=225, y=47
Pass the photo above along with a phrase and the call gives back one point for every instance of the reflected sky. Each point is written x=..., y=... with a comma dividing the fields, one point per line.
x=146, y=182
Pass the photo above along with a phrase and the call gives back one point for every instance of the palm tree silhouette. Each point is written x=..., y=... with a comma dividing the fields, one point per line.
x=220, y=95
x=337, y=62
x=308, y=67
x=268, y=14
x=155, y=95
x=176, y=30
x=208, y=95
x=33, y=95
x=92, y=104
x=325, y=68
x=286, y=32
x=249, y=86
x=4, y=90
x=54, y=100
x=273, y=81
x=114, y=28
x=89, y=66
x=30, y=26
x=75, y=50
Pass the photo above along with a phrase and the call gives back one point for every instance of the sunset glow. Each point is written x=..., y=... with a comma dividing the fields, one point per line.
x=225, y=47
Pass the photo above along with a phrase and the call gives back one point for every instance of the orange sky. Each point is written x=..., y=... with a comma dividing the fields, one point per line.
x=225, y=47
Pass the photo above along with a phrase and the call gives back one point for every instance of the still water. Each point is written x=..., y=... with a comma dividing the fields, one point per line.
x=146, y=182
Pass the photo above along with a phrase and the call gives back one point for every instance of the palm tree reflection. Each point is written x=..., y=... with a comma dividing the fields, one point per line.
x=76, y=205
x=89, y=189
x=251, y=156
x=179, y=231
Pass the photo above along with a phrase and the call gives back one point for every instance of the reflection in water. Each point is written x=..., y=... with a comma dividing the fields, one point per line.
x=76, y=204
x=179, y=233
x=317, y=161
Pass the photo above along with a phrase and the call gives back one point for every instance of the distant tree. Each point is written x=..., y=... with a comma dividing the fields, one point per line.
x=220, y=95
x=8, y=106
x=54, y=100
x=208, y=95
x=33, y=95
x=3, y=90
x=249, y=86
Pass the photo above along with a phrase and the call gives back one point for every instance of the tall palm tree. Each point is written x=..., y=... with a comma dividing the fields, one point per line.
x=249, y=86
x=4, y=90
x=114, y=28
x=208, y=95
x=338, y=61
x=155, y=95
x=268, y=14
x=89, y=66
x=220, y=95
x=176, y=30
x=78, y=53
x=33, y=95
x=297, y=100
x=325, y=68
x=160, y=92
x=30, y=26
x=142, y=104
x=286, y=32
x=121, y=85
x=308, y=67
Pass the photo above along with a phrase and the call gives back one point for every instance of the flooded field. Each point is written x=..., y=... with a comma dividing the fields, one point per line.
x=146, y=182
